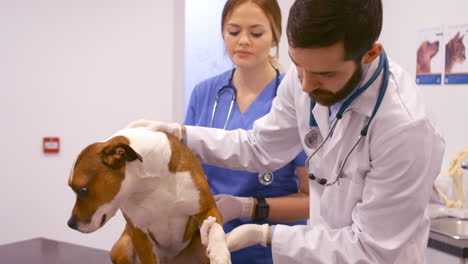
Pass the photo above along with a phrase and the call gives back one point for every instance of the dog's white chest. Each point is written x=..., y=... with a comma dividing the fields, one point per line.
x=166, y=210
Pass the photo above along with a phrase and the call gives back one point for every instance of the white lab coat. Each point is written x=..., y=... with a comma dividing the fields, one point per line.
x=377, y=213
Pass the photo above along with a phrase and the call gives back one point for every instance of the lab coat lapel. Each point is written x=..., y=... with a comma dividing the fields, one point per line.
x=321, y=114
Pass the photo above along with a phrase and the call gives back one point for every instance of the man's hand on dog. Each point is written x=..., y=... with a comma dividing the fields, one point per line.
x=241, y=237
x=170, y=128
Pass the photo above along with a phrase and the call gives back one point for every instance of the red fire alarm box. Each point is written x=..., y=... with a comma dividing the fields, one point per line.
x=51, y=145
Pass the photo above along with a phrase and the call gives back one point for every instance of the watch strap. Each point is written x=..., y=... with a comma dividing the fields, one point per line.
x=262, y=210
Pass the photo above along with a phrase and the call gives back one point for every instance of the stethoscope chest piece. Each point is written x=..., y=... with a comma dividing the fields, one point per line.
x=265, y=178
x=313, y=138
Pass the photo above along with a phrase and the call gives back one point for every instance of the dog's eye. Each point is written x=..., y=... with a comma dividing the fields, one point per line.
x=82, y=191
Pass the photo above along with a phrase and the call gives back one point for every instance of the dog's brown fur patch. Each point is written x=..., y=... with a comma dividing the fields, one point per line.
x=182, y=159
x=142, y=244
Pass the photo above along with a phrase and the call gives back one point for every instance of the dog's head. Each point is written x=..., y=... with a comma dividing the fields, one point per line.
x=97, y=179
x=428, y=49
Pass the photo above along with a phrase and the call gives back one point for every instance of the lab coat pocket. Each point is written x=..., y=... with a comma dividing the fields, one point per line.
x=339, y=200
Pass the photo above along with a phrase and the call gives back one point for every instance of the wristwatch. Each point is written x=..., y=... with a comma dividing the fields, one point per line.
x=261, y=210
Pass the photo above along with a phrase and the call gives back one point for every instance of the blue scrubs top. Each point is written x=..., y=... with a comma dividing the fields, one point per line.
x=233, y=182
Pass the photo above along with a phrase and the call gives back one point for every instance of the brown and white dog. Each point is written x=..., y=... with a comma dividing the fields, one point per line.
x=161, y=189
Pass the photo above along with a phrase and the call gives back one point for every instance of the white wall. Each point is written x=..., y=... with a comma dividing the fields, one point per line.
x=79, y=70
x=205, y=53
x=284, y=60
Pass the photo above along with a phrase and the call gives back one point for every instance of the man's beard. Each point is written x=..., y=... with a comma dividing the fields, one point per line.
x=327, y=98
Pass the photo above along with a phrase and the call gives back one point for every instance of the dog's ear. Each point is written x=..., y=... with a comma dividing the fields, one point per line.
x=115, y=155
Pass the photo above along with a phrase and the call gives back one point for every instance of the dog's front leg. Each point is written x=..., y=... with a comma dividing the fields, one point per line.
x=123, y=252
x=141, y=243
x=213, y=236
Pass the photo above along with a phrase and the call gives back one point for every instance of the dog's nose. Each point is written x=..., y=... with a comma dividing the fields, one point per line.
x=72, y=223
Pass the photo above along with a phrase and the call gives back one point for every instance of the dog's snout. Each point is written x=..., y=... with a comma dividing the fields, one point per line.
x=72, y=223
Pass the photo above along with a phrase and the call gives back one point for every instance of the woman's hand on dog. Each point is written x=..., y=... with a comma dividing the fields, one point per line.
x=233, y=207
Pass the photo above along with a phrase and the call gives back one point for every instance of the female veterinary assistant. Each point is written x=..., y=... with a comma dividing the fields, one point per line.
x=235, y=99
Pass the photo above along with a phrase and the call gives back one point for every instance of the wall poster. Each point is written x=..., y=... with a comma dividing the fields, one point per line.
x=456, y=65
x=430, y=55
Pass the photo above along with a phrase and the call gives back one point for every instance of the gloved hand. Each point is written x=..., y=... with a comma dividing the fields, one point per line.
x=233, y=207
x=248, y=235
x=170, y=128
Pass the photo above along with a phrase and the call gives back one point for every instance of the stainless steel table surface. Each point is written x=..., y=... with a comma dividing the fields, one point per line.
x=46, y=251
x=455, y=247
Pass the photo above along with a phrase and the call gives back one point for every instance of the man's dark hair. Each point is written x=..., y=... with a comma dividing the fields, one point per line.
x=322, y=23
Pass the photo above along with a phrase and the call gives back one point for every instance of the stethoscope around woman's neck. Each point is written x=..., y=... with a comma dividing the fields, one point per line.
x=229, y=85
x=313, y=134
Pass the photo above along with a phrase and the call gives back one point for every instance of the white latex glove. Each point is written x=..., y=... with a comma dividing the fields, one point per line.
x=233, y=207
x=213, y=237
x=170, y=128
x=248, y=235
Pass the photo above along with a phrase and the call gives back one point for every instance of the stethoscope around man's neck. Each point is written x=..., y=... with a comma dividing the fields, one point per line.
x=314, y=133
x=229, y=85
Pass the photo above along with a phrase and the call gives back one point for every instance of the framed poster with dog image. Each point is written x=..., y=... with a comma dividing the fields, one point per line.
x=456, y=65
x=429, y=56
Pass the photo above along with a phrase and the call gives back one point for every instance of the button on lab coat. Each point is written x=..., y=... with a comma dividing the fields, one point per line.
x=377, y=212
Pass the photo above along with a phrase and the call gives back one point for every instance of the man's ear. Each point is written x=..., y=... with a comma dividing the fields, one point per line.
x=115, y=155
x=373, y=53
